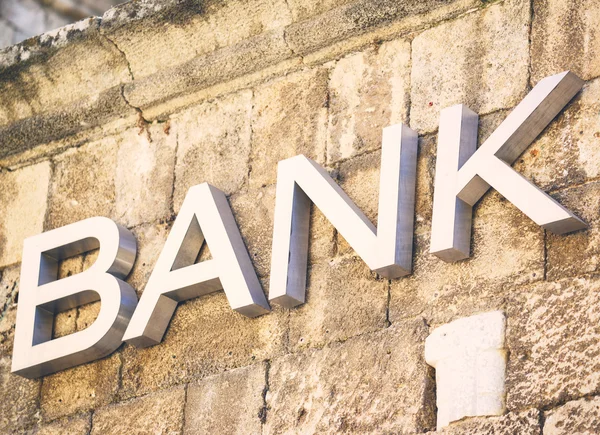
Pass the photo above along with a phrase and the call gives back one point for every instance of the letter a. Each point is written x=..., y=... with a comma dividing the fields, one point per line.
x=205, y=214
x=464, y=173
x=41, y=295
x=386, y=249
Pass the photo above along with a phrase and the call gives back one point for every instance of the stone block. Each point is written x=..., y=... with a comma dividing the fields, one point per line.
x=556, y=47
x=369, y=90
x=507, y=251
x=289, y=118
x=577, y=417
x=19, y=407
x=231, y=402
x=81, y=388
x=577, y=253
x=525, y=423
x=205, y=337
x=78, y=425
x=160, y=413
x=151, y=241
x=375, y=383
x=552, y=335
x=214, y=145
x=480, y=60
x=23, y=200
x=566, y=153
x=304, y=9
x=338, y=290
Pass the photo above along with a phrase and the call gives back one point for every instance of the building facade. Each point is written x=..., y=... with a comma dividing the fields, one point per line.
x=119, y=116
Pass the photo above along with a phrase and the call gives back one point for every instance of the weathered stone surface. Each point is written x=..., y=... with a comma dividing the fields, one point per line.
x=160, y=413
x=553, y=334
x=23, y=199
x=214, y=145
x=525, y=423
x=567, y=153
x=369, y=91
x=465, y=61
x=580, y=417
x=144, y=175
x=78, y=425
x=204, y=337
x=204, y=26
x=80, y=388
x=203, y=71
x=507, y=251
x=373, y=383
x=303, y=9
x=289, y=118
x=151, y=241
x=9, y=286
x=556, y=47
x=341, y=289
x=228, y=403
x=577, y=253
x=19, y=404
x=352, y=19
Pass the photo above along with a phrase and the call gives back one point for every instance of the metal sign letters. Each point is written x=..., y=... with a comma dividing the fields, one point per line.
x=463, y=174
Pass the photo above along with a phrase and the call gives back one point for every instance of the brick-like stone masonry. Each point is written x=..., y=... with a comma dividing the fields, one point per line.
x=118, y=116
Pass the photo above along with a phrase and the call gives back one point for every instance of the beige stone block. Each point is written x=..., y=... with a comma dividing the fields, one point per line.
x=303, y=9
x=23, y=202
x=375, y=383
x=580, y=417
x=160, y=413
x=9, y=286
x=524, y=423
x=289, y=118
x=230, y=403
x=144, y=175
x=567, y=153
x=205, y=337
x=369, y=90
x=565, y=36
x=214, y=145
x=78, y=425
x=577, y=253
x=339, y=290
x=19, y=407
x=80, y=388
x=552, y=335
x=151, y=241
x=507, y=252
x=480, y=60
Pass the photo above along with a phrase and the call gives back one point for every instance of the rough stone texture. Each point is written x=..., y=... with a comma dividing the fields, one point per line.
x=578, y=253
x=580, y=417
x=567, y=152
x=369, y=91
x=339, y=290
x=303, y=9
x=23, y=197
x=205, y=337
x=289, y=118
x=507, y=251
x=81, y=388
x=19, y=404
x=160, y=413
x=465, y=61
x=556, y=47
x=127, y=177
x=9, y=286
x=151, y=240
x=210, y=402
x=373, y=382
x=214, y=145
x=553, y=334
x=79, y=425
x=525, y=423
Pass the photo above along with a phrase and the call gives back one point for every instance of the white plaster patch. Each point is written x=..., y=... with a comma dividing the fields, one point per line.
x=470, y=361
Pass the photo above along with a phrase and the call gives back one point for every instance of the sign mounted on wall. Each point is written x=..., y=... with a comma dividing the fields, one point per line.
x=463, y=174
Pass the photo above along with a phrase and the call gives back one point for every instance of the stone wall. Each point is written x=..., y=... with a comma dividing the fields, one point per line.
x=119, y=116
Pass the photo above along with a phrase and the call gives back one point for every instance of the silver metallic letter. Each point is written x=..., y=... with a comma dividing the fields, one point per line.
x=205, y=214
x=41, y=295
x=464, y=173
x=386, y=249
